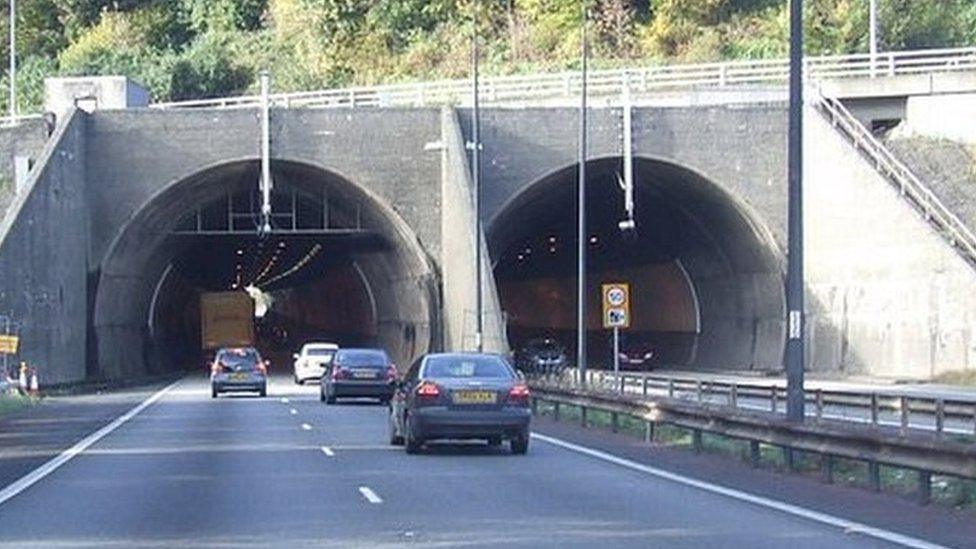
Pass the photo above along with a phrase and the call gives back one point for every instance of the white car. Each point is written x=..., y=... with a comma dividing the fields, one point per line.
x=312, y=361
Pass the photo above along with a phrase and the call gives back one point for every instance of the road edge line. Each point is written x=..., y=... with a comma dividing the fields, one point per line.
x=31, y=478
x=848, y=526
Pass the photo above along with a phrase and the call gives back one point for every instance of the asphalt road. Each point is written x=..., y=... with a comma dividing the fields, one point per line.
x=290, y=471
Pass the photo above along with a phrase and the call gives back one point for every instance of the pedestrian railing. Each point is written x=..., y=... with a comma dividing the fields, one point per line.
x=908, y=184
x=612, y=85
x=923, y=452
x=884, y=410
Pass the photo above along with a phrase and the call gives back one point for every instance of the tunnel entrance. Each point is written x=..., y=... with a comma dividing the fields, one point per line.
x=338, y=266
x=706, y=278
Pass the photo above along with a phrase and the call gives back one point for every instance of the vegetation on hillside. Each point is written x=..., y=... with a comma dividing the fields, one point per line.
x=184, y=49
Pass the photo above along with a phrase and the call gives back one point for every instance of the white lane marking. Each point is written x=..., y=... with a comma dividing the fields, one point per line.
x=306, y=427
x=370, y=495
x=284, y=400
x=293, y=411
x=49, y=467
x=848, y=526
x=328, y=451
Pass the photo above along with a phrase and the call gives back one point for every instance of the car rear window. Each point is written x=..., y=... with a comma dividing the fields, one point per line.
x=321, y=352
x=234, y=358
x=467, y=366
x=363, y=359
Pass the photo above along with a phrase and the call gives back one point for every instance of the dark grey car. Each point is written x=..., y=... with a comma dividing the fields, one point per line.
x=358, y=373
x=460, y=396
x=238, y=369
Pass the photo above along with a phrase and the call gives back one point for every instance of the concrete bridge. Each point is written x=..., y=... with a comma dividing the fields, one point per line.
x=128, y=214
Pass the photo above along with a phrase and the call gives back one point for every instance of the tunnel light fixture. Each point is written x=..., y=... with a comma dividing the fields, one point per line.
x=552, y=249
x=594, y=239
x=521, y=257
x=240, y=251
x=627, y=225
x=552, y=239
x=282, y=244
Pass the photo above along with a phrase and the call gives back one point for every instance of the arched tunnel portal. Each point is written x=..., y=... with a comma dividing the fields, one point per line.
x=338, y=266
x=706, y=276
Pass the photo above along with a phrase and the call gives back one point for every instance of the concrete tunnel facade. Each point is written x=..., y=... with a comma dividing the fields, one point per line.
x=708, y=238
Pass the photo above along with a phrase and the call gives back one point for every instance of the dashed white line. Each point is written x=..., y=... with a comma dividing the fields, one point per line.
x=284, y=400
x=370, y=495
x=847, y=526
x=49, y=467
x=328, y=451
x=306, y=427
x=293, y=411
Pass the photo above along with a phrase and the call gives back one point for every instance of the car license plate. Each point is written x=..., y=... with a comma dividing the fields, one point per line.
x=474, y=397
x=238, y=377
x=363, y=374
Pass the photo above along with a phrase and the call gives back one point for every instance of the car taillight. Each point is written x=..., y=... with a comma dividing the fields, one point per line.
x=519, y=393
x=262, y=369
x=391, y=372
x=428, y=390
x=338, y=373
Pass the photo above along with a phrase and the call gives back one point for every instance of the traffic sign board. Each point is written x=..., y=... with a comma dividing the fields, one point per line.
x=616, y=305
x=9, y=344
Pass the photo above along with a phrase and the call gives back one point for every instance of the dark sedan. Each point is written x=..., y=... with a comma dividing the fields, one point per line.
x=460, y=396
x=358, y=373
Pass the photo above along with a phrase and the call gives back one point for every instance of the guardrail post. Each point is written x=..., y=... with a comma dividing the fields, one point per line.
x=905, y=409
x=819, y=404
x=555, y=411
x=939, y=416
x=535, y=406
x=722, y=74
x=924, y=487
x=755, y=455
x=874, y=476
x=670, y=388
x=645, y=385
x=874, y=409
x=789, y=459
x=698, y=390
x=649, y=432
x=583, y=416
x=773, y=394
x=827, y=468
x=568, y=85
x=622, y=385
x=696, y=440
x=974, y=419
x=614, y=422
x=734, y=396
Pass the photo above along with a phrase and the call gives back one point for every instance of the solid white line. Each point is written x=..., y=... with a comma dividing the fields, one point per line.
x=847, y=525
x=49, y=467
x=328, y=451
x=306, y=427
x=370, y=495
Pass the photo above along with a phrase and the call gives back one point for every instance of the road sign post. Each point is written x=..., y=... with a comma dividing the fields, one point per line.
x=616, y=315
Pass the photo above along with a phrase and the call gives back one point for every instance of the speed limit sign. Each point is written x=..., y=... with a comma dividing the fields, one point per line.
x=616, y=305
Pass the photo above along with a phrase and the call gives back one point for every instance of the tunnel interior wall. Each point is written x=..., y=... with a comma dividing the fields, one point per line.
x=43, y=258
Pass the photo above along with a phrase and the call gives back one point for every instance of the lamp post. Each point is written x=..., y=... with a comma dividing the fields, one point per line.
x=581, y=213
x=13, y=60
x=794, y=270
x=873, y=33
x=476, y=182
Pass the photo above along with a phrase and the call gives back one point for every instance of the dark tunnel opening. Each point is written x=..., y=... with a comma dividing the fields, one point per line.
x=706, y=279
x=337, y=267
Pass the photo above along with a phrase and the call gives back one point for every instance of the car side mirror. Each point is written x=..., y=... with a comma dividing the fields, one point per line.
x=520, y=374
x=295, y=356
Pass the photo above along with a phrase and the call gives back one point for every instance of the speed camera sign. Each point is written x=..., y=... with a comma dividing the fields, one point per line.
x=616, y=305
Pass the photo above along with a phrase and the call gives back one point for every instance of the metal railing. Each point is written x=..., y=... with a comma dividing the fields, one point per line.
x=609, y=84
x=830, y=440
x=909, y=185
x=879, y=409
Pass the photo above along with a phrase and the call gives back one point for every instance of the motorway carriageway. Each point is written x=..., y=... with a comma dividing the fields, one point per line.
x=286, y=471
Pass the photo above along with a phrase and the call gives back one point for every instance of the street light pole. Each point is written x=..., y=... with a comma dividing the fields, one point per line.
x=794, y=275
x=581, y=214
x=476, y=182
x=873, y=32
x=13, y=60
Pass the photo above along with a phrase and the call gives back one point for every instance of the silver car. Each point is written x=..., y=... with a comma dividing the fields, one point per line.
x=238, y=369
x=460, y=396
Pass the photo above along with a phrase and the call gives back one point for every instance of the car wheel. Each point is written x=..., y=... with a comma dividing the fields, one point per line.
x=330, y=399
x=321, y=396
x=395, y=439
x=494, y=441
x=520, y=444
x=213, y=392
x=264, y=391
x=411, y=443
